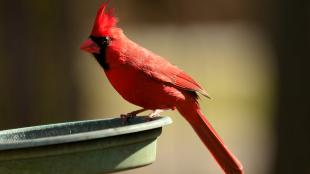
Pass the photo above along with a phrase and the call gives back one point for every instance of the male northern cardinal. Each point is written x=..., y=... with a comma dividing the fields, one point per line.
x=151, y=82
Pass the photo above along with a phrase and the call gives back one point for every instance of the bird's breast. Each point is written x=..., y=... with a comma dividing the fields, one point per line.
x=139, y=89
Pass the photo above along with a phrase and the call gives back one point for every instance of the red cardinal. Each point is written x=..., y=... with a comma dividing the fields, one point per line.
x=151, y=82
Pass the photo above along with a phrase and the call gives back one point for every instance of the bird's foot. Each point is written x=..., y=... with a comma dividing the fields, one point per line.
x=133, y=114
x=154, y=114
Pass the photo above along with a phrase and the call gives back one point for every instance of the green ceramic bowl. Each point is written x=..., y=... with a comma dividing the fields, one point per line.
x=82, y=147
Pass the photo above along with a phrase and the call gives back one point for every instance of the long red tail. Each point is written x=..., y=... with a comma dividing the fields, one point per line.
x=191, y=112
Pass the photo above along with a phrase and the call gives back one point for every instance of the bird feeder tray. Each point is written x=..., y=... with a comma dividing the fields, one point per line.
x=81, y=147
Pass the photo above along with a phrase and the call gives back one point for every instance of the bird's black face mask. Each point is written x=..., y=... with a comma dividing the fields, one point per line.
x=102, y=43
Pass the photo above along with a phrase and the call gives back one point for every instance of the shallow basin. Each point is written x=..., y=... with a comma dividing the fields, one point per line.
x=82, y=147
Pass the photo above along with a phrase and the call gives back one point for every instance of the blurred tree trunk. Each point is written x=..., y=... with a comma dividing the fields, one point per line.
x=37, y=80
x=290, y=31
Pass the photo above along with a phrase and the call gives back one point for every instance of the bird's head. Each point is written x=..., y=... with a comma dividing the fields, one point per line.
x=102, y=32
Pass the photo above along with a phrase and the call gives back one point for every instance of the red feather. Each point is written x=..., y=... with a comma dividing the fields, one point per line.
x=160, y=69
x=192, y=113
x=104, y=21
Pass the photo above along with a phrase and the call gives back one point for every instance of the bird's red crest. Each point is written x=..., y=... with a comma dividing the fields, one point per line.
x=104, y=21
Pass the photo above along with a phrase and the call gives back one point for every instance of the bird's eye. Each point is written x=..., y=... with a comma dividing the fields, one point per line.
x=101, y=41
x=105, y=40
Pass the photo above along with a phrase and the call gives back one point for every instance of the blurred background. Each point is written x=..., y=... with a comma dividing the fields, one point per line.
x=250, y=56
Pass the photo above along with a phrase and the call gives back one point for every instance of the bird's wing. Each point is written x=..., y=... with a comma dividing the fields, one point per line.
x=160, y=69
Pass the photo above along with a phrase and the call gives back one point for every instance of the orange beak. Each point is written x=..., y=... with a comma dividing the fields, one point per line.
x=90, y=47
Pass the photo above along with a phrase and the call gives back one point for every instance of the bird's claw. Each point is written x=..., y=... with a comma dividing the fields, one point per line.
x=126, y=117
x=154, y=114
